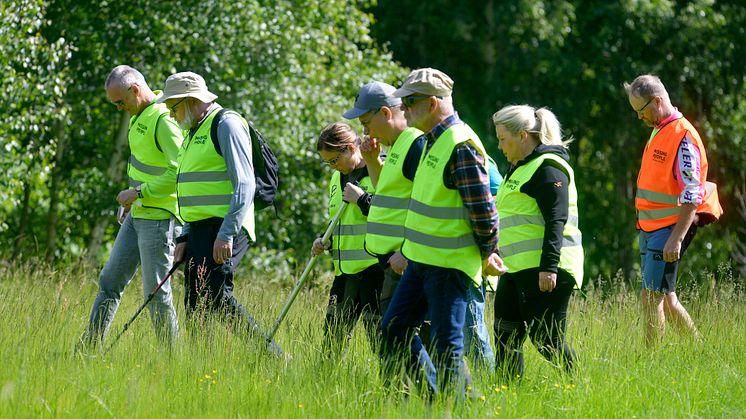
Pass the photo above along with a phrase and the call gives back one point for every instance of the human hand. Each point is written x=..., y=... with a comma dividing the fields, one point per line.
x=547, y=281
x=126, y=197
x=370, y=149
x=672, y=249
x=179, y=252
x=398, y=262
x=352, y=193
x=493, y=265
x=318, y=247
x=222, y=251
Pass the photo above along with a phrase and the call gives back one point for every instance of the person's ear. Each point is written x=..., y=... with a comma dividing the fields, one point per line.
x=387, y=112
x=433, y=103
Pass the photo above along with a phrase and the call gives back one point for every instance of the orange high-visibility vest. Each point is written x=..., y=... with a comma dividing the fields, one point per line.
x=657, y=199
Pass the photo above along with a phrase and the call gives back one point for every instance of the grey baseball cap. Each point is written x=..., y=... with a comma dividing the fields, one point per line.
x=372, y=96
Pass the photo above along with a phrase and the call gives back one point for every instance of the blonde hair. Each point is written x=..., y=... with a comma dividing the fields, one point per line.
x=337, y=137
x=539, y=123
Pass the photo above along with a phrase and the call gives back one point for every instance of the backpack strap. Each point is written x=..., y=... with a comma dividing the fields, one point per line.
x=214, y=129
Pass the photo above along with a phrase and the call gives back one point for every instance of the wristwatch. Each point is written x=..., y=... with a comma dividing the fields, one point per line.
x=139, y=192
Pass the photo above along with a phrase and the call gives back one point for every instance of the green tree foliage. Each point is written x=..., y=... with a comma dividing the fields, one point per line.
x=33, y=79
x=290, y=66
x=573, y=56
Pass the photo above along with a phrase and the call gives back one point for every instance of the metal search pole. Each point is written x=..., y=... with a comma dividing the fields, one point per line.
x=304, y=275
x=147, y=300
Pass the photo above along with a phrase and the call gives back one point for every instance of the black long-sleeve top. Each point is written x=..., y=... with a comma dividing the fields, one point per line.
x=549, y=187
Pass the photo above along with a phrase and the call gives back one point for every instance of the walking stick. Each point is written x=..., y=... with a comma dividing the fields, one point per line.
x=303, y=276
x=147, y=300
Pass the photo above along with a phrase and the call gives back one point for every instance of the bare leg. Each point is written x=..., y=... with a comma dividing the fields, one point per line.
x=654, y=319
x=678, y=315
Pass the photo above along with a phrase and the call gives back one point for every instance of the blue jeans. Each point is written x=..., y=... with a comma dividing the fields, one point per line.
x=476, y=336
x=444, y=292
x=145, y=243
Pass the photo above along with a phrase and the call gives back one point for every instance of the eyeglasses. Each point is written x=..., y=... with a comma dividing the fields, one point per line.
x=172, y=108
x=645, y=105
x=333, y=161
x=120, y=102
x=410, y=100
x=367, y=121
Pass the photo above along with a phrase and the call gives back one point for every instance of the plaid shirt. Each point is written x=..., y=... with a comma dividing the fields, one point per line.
x=467, y=172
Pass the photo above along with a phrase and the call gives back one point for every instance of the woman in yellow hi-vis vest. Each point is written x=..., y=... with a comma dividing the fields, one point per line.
x=540, y=241
x=358, y=277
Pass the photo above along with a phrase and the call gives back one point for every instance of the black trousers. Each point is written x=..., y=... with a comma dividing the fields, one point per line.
x=353, y=297
x=209, y=285
x=521, y=309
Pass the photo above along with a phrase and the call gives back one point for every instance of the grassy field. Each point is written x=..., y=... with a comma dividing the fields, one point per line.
x=214, y=372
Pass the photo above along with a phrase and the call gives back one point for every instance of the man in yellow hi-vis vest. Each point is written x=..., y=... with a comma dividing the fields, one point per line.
x=383, y=120
x=215, y=186
x=450, y=234
x=146, y=237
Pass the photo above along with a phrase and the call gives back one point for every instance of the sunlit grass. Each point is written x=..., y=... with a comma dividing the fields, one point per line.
x=213, y=371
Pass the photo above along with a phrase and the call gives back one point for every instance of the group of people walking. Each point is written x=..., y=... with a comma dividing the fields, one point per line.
x=423, y=227
x=421, y=234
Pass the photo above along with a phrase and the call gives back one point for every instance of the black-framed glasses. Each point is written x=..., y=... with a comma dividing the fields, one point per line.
x=120, y=102
x=367, y=121
x=334, y=161
x=645, y=105
x=172, y=108
x=410, y=100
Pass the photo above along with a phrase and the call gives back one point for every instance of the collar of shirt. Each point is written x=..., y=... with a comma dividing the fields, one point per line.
x=442, y=126
x=674, y=115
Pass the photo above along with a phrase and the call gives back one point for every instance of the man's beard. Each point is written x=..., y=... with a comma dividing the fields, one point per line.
x=188, y=121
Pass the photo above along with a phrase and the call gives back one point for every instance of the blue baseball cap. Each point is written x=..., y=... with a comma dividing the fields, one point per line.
x=371, y=97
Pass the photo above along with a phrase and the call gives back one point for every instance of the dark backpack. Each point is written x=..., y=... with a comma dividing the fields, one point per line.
x=266, y=167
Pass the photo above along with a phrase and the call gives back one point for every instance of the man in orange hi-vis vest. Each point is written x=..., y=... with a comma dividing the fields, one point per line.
x=673, y=199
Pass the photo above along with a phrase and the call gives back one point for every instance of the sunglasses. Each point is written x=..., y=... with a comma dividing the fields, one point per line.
x=410, y=100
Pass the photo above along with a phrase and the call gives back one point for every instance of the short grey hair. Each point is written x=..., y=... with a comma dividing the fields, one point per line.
x=540, y=123
x=124, y=76
x=646, y=86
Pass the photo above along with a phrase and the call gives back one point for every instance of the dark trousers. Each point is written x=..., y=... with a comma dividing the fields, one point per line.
x=353, y=297
x=520, y=310
x=209, y=285
x=441, y=293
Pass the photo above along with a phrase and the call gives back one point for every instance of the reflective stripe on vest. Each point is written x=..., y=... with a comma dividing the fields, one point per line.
x=657, y=197
x=203, y=186
x=349, y=253
x=522, y=225
x=388, y=208
x=147, y=162
x=438, y=230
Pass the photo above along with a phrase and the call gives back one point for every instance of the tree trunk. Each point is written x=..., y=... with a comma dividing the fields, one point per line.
x=23, y=223
x=115, y=173
x=54, y=193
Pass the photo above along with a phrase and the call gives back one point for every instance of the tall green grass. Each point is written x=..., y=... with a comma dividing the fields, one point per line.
x=213, y=371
